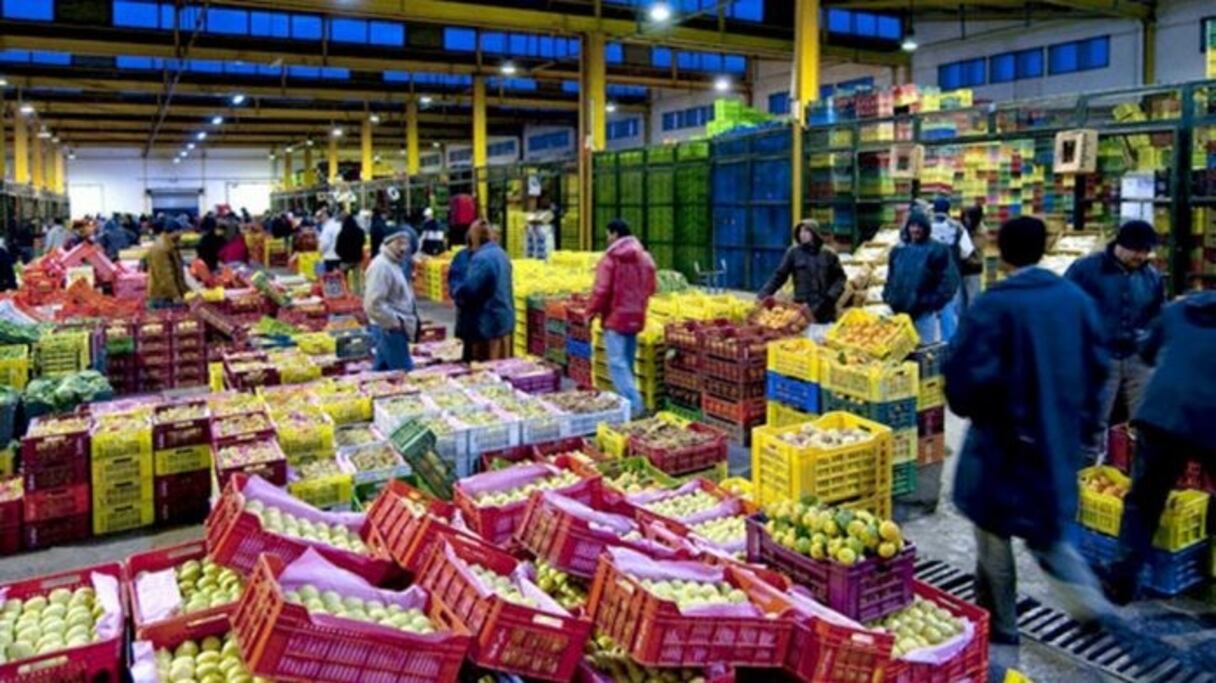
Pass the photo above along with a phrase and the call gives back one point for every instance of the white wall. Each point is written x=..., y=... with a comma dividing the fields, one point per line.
x=104, y=180
x=550, y=153
x=638, y=140
x=1178, y=26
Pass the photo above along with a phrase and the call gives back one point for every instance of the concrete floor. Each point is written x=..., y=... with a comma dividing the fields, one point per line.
x=945, y=536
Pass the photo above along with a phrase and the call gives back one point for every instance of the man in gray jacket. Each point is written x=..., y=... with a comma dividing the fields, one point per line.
x=388, y=300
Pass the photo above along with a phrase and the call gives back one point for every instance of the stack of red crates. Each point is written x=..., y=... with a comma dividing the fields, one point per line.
x=55, y=475
x=578, y=328
x=683, y=361
x=732, y=369
x=189, y=343
x=154, y=354
x=181, y=462
x=121, y=358
x=12, y=510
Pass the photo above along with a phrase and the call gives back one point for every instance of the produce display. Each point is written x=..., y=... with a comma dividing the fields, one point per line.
x=120, y=424
x=235, y=425
x=633, y=482
x=920, y=625
x=664, y=434
x=318, y=468
x=1099, y=482
x=287, y=524
x=46, y=623
x=251, y=453
x=205, y=584
x=823, y=533
x=557, y=480
x=378, y=457
x=331, y=602
x=777, y=317
x=810, y=436
x=560, y=586
x=726, y=531
x=355, y=435
x=477, y=379
x=66, y=393
x=502, y=586
x=57, y=426
x=684, y=505
x=212, y=659
x=182, y=412
x=690, y=594
x=582, y=402
x=234, y=404
x=611, y=660
x=450, y=400
x=405, y=406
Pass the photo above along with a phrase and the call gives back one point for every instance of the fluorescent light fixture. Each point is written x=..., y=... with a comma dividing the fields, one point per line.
x=290, y=150
x=374, y=118
x=722, y=83
x=376, y=158
x=189, y=145
x=182, y=154
x=27, y=109
x=435, y=145
x=402, y=152
x=909, y=44
x=238, y=99
x=202, y=135
x=3, y=81
x=508, y=69
x=271, y=156
x=55, y=139
x=425, y=100
x=660, y=12
x=177, y=160
x=217, y=120
x=44, y=134
x=337, y=133
x=71, y=156
x=610, y=107
x=308, y=142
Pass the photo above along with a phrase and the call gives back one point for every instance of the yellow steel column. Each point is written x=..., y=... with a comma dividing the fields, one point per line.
x=480, y=145
x=366, y=168
x=593, y=127
x=310, y=173
x=332, y=158
x=412, y=154
x=1148, y=46
x=3, y=140
x=37, y=164
x=48, y=172
x=21, y=149
x=61, y=178
x=288, y=178
x=805, y=90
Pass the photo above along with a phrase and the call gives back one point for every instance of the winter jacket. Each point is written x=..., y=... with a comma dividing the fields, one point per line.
x=235, y=251
x=1027, y=367
x=1181, y=396
x=921, y=278
x=8, y=278
x=486, y=294
x=818, y=279
x=166, y=278
x=388, y=299
x=1128, y=301
x=624, y=283
x=379, y=227
x=349, y=245
x=327, y=243
x=407, y=263
x=208, y=250
x=458, y=270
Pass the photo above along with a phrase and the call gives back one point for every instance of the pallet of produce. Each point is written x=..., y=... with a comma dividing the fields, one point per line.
x=882, y=338
x=55, y=451
x=585, y=410
x=251, y=455
x=691, y=502
x=614, y=439
x=210, y=653
x=310, y=620
x=177, y=593
x=738, y=344
x=607, y=662
x=374, y=462
x=677, y=450
x=304, y=432
x=827, y=647
x=1102, y=490
x=686, y=613
x=181, y=424
x=406, y=525
x=782, y=317
x=797, y=358
x=321, y=482
x=493, y=504
x=65, y=627
x=835, y=458
x=240, y=426
x=517, y=627
x=937, y=638
x=253, y=517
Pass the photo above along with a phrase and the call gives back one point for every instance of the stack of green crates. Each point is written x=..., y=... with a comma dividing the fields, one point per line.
x=691, y=212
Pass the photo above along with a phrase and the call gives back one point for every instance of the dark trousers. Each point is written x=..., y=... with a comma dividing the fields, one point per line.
x=1160, y=460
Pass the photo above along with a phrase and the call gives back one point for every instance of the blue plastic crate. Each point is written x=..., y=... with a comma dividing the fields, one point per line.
x=793, y=392
x=734, y=260
x=8, y=420
x=730, y=226
x=771, y=181
x=894, y=414
x=1164, y=573
x=578, y=349
x=771, y=227
x=729, y=145
x=772, y=142
x=930, y=358
x=730, y=182
x=764, y=263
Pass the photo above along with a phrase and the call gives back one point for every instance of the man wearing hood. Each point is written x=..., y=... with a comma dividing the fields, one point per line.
x=951, y=233
x=624, y=283
x=921, y=278
x=1129, y=292
x=1026, y=367
x=819, y=280
x=1173, y=424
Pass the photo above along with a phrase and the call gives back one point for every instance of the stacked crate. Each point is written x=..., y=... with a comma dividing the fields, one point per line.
x=154, y=355
x=121, y=358
x=14, y=366
x=11, y=511
x=555, y=350
x=55, y=477
x=181, y=462
x=578, y=342
x=792, y=388
x=930, y=405
x=680, y=370
x=536, y=343
x=732, y=367
x=189, y=345
x=647, y=366
x=62, y=353
x=121, y=469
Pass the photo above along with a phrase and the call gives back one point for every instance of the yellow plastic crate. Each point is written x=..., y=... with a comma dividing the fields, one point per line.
x=184, y=459
x=317, y=343
x=298, y=440
x=334, y=492
x=932, y=393
x=781, y=415
x=306, y=264
x=781, y=470
x=123, y=517
x=739, y=486
x=215, y=376
x=904, y=443
x=1183, y=523
x=613, y=441
x=61, y=354
x=113, y=474
x=797, y=358
x=345, y=408
x=118, y=444
x=8, y=460
x=298, y=372
x=890, y=338
x=876, y=382
x=14, y=366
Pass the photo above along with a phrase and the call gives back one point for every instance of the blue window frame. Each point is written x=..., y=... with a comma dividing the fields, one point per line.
x=694, y=117
x=306, y=27
x=864, y=24
x=396, y=77
x=459, y=39
x=614, y=53
x=890, y=28
x=624, y=128
x=1078, y=55
x=512, y=83
x=457, y=156
x=134, y=14
x=845, y=87
x=714, y=62
x=964, y=74
x=29, y=10
x=52, y=58
x=570, y=87
x=779, y=103
x=617, y=90
x=660, y=57
x=559, y=139
x=227, y=21
x=343, y=30
x=269, y=24
x=1014, y=66
x=504, y=148
x=1030, y=63
x=125, y=62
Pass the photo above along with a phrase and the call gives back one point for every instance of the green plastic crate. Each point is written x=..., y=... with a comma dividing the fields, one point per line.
x=631, y=157
x=687, y=256
x=692, y=225
x=635, y=216
x=662, y=154
x=694, y=149
x=632, y=188
x=660, y=224
x=605, y=187
x=663, y=254
x=660, y=185
x=692, y=184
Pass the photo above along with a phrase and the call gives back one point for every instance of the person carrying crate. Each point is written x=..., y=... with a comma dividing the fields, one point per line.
x=819, y=280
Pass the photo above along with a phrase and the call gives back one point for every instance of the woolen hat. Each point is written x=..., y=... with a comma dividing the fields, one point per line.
x=1137, y=235
x=393, y=231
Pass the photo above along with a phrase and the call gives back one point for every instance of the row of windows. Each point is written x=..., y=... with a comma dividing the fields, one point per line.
x=612, y=89
x=715, y=62
x=1062, y=58
x=545, y=141
x=864, y=24
x=36, y=57
x=241, y=22
x=28, y=10
x=741, y=10
x=1207, y=27
x=433, y=79
x=511, y=83
x=779, y=102
x=694, y=117
x=624, y=128
x=510, y=44
x=210, y=66
x=494, y=149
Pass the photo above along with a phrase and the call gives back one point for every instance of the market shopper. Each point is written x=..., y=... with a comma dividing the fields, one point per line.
x=624, y=282
x=921, y=278
x=1173, y=424
x=433, y=242
x=1129, y=293
x=971, y=269
x=458, y=270
x=819, y=280
x=486, y=296
x=1026, y=367
x=8, y=278
x=349, y=245
x=327, y=243
x=946, y=230
x=166, y=276
x=56, y=237
x=206, y=265
x=392, y=310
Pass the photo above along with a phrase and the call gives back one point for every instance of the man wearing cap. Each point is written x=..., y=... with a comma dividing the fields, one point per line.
x=166, y=274
x=388, y=300
x=1129, y=293
x=951, y=233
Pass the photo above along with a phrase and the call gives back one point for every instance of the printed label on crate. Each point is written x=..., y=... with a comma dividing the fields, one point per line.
x=115, y=519
x=126, y=469
x=184, y=459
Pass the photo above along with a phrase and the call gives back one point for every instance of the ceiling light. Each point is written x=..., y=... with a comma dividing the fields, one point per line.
x=376, y=158
x=177, y=160
x=374, y=119
x=190, y=145
x=425, y=100
x=44, y=134
x=722, y=84
x=27, y=109
x=55, y=139
x=337, y=133
x=182, y=154
x=909, y=44
x=202, y=135
x=217, y=120
x=71, y=156
x=508, y=69
x=660, y=12
x=611, y=107
x=435, y=145
x=271, y=156
x=402, y=152
x=308, y=142
x=238, y=99
x=3, y=81
x=289, y=150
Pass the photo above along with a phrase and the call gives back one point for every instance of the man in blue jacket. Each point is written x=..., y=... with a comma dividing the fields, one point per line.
x=921, y=278
x=486, y=297
x=1174, y=423
x=1129, y=293
x=1026, y=367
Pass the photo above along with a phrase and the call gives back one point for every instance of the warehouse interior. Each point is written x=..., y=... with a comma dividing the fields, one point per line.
x=712, y=128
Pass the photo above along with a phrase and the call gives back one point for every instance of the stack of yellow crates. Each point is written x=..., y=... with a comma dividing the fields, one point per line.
x=14, y=366
x=121, y=464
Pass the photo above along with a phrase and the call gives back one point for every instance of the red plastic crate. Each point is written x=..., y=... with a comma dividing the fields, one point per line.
x=728, y=390
x=868, y=590
x=931, y=449
x=690, y=335
x=824, y=652
x=969, y=665
x=56, y=532
x=931, y=422
x=192, y=626
x=1120, y=447
x=65, y=501
x=183, y=498
x=645, y=516
x=655, y=633
x=407, y=526
x=498, y=524
x=752, y=370
x=10, y=539
x=714, y=674
x=282, y=641
x=506, y=637
x=737, y=344
x=273, y=471
x=52, y=450
x=737, y=412
x=99, y=661
x=45, y=475
x=175, y=434
x=12, y=511
x=684, y=460
x=235, y=538
x=579, y=371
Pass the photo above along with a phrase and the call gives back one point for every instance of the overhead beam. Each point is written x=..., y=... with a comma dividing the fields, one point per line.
x=981, y=9
x=1111, y=8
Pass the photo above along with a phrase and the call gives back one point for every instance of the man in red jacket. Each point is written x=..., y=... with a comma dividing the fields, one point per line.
x=624, y=283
